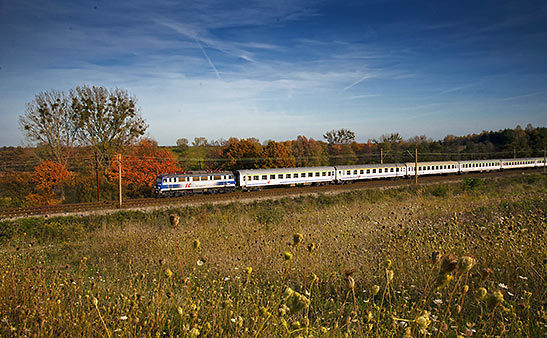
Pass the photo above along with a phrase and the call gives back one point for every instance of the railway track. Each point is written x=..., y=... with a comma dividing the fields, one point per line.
x=240, y=195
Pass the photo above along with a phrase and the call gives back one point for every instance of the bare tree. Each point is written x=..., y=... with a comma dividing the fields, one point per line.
x=340, y=136
x=107, y=119
x=182, y=143
x=199, y=141
x=48, y=121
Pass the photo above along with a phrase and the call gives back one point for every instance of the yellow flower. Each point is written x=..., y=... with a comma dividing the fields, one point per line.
x=287, y=255
x=481, y=293
x=495, y=299
x=297, y=239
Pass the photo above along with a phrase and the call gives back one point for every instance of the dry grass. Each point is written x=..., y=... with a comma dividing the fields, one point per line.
x=364, y=268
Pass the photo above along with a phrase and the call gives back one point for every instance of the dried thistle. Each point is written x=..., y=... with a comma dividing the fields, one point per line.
x=435, y=257
x=486, y=273
x=448, y=264
x=465, y=264
x=174, y=219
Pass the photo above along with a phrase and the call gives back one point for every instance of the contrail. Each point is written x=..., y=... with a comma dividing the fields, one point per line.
x=209, y=59
x=357, y=82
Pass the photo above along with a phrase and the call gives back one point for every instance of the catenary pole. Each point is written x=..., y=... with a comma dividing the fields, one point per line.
x=416, y=167
x=381, y=155
x=120, y=177
x=97, y=175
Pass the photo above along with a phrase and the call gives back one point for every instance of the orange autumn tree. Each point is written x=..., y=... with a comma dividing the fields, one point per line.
x=140, y=168
x=48, y=180
x=278, y=155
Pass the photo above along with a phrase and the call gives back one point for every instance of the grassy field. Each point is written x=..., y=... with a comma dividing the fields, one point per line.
x=466, y=259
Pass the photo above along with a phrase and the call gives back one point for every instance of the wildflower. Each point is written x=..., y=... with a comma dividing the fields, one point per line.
x=495, y=299
x=297, y=239
x=263, y=312
x=95, y=301
x=288, y=292
x=350, y=282
x=249, y=270
x=179, y=310
x=449, y=264
x=196, y=244
x=287, y=255
x=295, y=325
x=458, y=308
x=311, y=247
x=375, y=290
x=168, y=273
x=465, y=288
x=389, y=275
x=443, y=280
x=323, y=330
x=423, y=322
x=200, y=262
x=388, y=264
x=465, y=264
x=368, y=316
x=314, y=277
x=296, y=302
x=123, y=318
x=481, y=293
x=283, y=310
x=194, y=332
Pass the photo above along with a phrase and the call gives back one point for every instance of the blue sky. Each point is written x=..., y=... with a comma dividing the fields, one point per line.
x=279, y=69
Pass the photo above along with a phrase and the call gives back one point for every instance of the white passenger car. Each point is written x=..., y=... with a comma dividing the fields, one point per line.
x=432, y=168
x=369, y=171
x=479, y=165
x=258, y=178
x=522, y=163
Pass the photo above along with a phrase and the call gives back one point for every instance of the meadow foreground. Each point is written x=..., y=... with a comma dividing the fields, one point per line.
x=466, y=259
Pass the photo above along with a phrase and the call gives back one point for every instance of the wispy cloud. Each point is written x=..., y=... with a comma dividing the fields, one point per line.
x=523, y=96
x=457, y=88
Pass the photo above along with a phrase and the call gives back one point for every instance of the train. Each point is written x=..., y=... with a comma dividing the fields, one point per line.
x=179, y=184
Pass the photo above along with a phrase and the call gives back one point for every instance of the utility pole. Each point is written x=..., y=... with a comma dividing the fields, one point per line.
x=544, y=158
x=381, y=155
x=120, y=177
x=416, y=167
x=97, y=175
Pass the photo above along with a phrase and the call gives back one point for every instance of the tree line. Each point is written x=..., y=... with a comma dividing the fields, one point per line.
x=75, y=137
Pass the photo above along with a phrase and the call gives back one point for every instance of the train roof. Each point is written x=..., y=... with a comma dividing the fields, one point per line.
x=411, y=164
x=365, y=166
x=196, y=173
x=282, y=170
x=523, y=159
x=482, y=160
